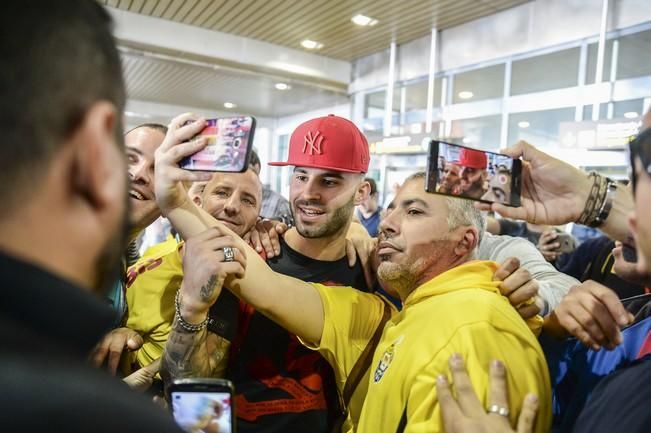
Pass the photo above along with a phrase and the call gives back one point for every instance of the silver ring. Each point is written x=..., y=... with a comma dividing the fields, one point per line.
x=499, y=410
x=229, y=254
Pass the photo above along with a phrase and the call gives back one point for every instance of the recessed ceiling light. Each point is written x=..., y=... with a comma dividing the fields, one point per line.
x=229, y=105
x=631, y=115
x=467, y=140
x=466, y=94
x=363, y=20
x=311, y=45
x=523, y=124
x=283, y=86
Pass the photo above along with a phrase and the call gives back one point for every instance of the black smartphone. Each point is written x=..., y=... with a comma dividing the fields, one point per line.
x=203, y=405
x=230, y=140
x=474, y=174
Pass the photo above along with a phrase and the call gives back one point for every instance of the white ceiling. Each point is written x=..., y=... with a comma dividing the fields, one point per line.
x=176, y=82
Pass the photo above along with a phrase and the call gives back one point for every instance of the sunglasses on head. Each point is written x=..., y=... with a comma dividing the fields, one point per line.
x=640, y=147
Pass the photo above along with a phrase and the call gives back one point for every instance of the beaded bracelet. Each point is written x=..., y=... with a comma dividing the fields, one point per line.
x=185, y=325
x=591, y=201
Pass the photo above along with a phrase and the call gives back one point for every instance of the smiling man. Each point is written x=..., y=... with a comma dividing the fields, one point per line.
x=233, y=199
x=281, y=385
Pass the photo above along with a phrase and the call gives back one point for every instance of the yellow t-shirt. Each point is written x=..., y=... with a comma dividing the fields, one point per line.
x=152, y=284
x=460, y=311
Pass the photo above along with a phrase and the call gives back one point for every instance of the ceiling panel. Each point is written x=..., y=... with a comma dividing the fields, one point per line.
x=288, y=22
x=177, y=83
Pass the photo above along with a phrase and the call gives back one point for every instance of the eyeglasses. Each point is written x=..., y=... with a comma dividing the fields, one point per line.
x=640, y=147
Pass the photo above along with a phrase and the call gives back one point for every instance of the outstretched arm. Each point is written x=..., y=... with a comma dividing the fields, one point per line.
x=292, y=303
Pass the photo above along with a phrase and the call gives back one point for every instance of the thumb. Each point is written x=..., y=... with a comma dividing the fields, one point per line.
x=153, y=368
x=135, y=341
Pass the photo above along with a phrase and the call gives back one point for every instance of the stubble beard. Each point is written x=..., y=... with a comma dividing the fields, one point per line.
x=333, y=226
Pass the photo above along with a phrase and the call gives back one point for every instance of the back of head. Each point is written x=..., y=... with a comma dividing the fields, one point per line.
x=59, y=59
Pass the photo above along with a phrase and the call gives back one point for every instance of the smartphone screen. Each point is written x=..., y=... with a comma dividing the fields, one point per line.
x=205, y=412
x=473, y=174
x=230, y=140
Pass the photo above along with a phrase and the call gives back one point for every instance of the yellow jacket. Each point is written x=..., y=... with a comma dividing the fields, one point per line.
x=151, y=287
x=460, y=311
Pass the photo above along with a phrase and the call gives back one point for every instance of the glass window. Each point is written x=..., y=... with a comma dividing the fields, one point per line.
x=630, y=109
x=283, y=152
x=591, y=67
x=587, y=111
x=540, y=128
x=549, y=71
x=374, y=105
x=633, y=55
x=479, y=132
x=484, y=83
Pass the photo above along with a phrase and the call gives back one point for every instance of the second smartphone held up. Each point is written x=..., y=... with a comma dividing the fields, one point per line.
x=474, y=174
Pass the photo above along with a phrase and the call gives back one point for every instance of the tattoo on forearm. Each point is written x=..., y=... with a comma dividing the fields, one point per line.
x=208, y=289
x=193, y=354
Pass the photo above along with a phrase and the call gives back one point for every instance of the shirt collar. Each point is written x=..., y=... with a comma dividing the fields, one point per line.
x=51, y=307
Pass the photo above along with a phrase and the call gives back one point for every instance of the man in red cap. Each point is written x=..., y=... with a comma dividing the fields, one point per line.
x=473, y=172
x=281, y=386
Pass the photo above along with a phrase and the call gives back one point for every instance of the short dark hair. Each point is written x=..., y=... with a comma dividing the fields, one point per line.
x=254, y=159
x=155, y=126
x=371, y=182
x=58, y=60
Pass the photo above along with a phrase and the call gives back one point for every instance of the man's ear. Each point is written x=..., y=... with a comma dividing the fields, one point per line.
x=468, y=241
x=98, y=164
x=197, y=200
x=363, y=190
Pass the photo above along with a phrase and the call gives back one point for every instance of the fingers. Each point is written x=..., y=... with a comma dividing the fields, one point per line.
x=466, y=395
x=527, y=416
x=115, y=350
x=99, y=354
x=529, y=311
x=153, y=367
x=612, y=303
x=524, y=293
x=509, y=266
x=351, y=253
x=254, y=239
x=135, y=341
x=515, y=281
x=179, y=131
x=450, y=410
x=183, y=150
x=498, y=391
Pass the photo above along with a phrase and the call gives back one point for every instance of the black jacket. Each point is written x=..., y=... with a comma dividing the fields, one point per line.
x=47, y=329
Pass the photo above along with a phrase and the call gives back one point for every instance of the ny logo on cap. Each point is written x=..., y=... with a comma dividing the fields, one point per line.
x=313, y=143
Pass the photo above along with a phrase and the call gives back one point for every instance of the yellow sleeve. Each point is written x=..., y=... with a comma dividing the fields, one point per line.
x=523, y=376
x=350, y=319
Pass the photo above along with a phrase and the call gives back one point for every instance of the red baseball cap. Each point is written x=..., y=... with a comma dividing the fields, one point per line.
x=473, y=158
x=331, y=143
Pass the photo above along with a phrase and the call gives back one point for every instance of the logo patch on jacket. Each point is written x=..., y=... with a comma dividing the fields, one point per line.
x=385, y=360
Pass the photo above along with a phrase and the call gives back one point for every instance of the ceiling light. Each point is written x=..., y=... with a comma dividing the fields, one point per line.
x=466, y=94
x=363, y=20
x=631, y=115
x=523, y=124
x=467, y=140
x=283, y=86
x=311, y=45
x=229, y=105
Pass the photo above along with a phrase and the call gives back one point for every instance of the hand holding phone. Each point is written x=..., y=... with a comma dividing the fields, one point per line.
x=473, y=174
x=203, y=405
x=230, y=140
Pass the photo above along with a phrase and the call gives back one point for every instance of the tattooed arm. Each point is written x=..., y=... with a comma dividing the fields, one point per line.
x=200, y=353
x=193, y=354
